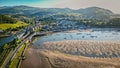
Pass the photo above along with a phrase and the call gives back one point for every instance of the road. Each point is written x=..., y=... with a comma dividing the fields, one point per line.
x=13, y=52
x=26, y=37
x=11, y=55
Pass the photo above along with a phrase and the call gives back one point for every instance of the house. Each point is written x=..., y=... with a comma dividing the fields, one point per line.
x=115, y=16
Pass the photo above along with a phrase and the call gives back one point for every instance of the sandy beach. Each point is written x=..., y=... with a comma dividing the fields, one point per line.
x=44, y=58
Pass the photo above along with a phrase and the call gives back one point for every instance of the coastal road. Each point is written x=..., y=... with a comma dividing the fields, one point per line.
x=11, y=55
x=13, y=52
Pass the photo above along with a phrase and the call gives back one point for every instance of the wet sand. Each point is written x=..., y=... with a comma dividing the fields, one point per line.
x=34, y=59
x=88, y=48
x=42, y=58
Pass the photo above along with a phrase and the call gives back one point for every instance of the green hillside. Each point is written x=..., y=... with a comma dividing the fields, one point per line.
x=6, y=22
x=12, y=26
x=6, y=19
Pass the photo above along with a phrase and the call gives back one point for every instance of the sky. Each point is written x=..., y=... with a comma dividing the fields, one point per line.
x=113, y=5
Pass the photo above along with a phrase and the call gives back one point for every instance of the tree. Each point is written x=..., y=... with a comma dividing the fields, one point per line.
x=6, y=46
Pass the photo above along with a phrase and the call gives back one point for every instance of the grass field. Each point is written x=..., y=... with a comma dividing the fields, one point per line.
x=12, y=26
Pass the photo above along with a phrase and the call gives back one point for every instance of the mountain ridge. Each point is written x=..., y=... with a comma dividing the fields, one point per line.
x=90, y=12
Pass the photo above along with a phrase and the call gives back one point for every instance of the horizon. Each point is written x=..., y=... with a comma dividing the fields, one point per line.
x=112, y=5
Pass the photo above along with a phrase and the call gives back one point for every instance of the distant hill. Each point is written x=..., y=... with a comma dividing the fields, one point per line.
x=26, y=10
x=18, y=10
x=95, y=12
x=90, y=12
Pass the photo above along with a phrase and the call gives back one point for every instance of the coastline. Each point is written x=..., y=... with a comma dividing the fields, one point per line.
x=48, y=58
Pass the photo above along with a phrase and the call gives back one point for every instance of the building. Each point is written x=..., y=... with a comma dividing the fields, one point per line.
x=115, y=16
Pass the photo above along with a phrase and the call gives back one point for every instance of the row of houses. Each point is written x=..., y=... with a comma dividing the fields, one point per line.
x=63, y=25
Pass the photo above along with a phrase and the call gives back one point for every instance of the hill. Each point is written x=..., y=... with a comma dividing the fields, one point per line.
x=6, y=19
x=12, y=26
x=91, y=12
x=95, y=12
x=6, y=22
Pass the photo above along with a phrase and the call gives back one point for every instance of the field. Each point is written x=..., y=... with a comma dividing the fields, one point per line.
x=12, y=26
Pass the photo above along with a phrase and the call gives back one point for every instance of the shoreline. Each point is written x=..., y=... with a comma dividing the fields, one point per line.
x=48, y=56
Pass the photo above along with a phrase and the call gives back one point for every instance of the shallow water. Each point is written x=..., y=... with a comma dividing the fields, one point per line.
x=95, y=35
x=5, y=40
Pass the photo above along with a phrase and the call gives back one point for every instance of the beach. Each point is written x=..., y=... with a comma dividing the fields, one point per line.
x=44, y=57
